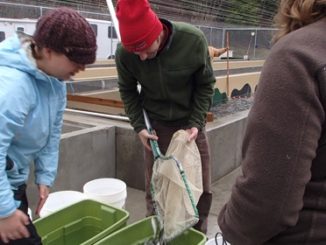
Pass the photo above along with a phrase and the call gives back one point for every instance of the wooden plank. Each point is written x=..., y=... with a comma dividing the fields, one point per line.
x=96, y=101
x=100, y=73
x=96, y=72
x=113, y=103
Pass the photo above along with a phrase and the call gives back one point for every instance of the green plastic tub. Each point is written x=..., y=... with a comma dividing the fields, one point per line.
x=142, y=231
x=82, y=223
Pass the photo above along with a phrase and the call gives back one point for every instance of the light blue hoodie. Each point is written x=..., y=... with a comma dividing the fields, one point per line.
x=31, y=109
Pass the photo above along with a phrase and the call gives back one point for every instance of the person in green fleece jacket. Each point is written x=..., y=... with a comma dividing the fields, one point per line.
x=32, y=102
x=281, y=196
x=170, y=61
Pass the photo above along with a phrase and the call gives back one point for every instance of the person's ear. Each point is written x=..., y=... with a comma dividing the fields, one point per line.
x=47, y=52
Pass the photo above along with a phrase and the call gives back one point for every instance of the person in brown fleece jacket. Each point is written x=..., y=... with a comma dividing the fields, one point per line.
x=280, y=198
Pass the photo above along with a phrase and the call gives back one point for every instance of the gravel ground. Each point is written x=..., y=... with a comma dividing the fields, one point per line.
x=232, y=106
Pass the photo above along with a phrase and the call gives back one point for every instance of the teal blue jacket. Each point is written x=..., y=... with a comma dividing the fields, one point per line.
x=31, y=108
x=176, y=86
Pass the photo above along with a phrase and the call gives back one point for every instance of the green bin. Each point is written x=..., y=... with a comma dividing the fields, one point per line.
x=142, y=232
x=82, y=223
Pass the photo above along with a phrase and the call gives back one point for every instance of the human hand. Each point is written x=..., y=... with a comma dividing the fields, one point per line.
x=43, y=195
x=145, y=137
x=14, y=226
x=193, y=132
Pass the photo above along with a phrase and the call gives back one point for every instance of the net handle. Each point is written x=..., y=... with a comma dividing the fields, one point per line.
x=114, y=18
x=154, y=145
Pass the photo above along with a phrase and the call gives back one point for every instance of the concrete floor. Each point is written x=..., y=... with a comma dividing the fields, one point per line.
x=135, y=203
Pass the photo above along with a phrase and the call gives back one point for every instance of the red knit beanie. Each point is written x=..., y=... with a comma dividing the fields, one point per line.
x=139, y=25
x=66, y=31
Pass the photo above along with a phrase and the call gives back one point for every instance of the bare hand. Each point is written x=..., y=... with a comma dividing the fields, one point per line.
x=14, y=227
x=193, y=133
x=145, y=137
x=43, y=195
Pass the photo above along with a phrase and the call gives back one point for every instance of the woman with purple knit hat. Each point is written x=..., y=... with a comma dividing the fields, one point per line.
x=32, y=102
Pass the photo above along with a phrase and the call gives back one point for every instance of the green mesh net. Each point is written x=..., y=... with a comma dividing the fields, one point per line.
x=176, y=184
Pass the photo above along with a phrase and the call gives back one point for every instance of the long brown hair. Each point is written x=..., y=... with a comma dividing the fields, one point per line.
x=294, y=14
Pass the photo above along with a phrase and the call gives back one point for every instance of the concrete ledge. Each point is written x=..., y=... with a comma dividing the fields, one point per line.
x=93, y=147
x=85, y=154
x=129, y=158
x=225, y=138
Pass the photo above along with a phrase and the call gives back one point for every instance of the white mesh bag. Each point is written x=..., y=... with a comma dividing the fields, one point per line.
x=177, y=185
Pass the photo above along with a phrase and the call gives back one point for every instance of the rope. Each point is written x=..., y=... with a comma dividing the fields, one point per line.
x=221, y=235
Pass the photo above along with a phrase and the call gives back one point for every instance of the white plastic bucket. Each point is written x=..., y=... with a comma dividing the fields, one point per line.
x=109, y=191
x=213, y=242
x=59, y=200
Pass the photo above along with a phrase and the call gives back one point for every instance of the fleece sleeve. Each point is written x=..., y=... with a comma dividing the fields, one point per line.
x=129, y=94
x=203, y=88
x=284, y=126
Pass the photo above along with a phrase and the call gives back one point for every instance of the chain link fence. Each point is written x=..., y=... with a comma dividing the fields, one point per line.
x=20, y=9
x=245, y=43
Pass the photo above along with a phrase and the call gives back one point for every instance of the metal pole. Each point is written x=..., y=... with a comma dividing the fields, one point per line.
x=113, y=17
x=210, y=36
x=97, y=114
x=228, y=65
x=223, y=37
x=255, y=44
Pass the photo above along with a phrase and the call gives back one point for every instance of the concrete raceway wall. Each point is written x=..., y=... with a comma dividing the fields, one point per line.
x=93, y=147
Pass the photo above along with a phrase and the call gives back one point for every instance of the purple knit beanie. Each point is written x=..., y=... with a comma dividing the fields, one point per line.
x=66, y=31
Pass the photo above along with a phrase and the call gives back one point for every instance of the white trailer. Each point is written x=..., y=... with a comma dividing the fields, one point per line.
x=105, y=34
x=9, y=26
